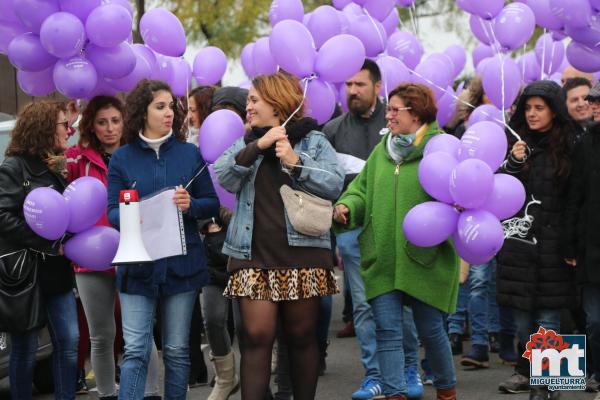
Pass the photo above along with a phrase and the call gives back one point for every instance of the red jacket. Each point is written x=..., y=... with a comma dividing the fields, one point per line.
x=85, y=161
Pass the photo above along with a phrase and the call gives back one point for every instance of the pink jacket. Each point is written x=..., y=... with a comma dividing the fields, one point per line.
x=85, y=161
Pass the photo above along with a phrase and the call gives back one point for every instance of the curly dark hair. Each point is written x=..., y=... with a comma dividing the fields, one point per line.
x=35, y=130
x=136, y=108
x=203, y=98
x=86, y=125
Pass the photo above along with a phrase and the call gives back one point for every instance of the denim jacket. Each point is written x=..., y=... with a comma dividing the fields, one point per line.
x=315, y=152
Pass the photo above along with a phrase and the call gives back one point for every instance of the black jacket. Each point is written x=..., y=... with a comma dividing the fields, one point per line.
x=533, y=276
x=216, y=261
x=582, y=216
x=19, y=176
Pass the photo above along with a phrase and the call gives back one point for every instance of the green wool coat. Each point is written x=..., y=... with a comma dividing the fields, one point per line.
x=378, y=199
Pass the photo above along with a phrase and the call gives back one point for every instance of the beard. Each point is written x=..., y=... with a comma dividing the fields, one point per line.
x=359, y=106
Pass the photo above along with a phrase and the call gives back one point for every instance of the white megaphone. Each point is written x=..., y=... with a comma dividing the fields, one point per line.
x=131, y=246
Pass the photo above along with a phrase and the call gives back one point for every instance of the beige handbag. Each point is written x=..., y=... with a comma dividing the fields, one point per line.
x=308, y=214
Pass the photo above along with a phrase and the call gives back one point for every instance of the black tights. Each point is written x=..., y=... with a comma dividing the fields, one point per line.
x=259, y=329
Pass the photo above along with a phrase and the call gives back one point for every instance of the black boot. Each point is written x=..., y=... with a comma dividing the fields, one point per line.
x=456, y=343
x=507, y=351
x=322, y=356
x=81, y=387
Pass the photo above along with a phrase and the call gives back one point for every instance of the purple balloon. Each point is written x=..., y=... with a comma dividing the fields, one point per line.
x=112, y=62
x=514, y=25
x=262, y=58
x=482, y=29
x=124, y=3
x=471, y=183
x=343, y=101
x=405, y=46
x=324, y=23
x=572, y=12
x=344, y=22
x=37, y=83
x=487, y=9
x=530, y=67
x=458, y=56
x=247, y=60
x=480, y=233
x=7, y=11
x=481, y=52
x=482, y=65
x=87, y=201
x=393, y=73
x=320, y=101
x=502, y=81
x=587, y=35
x=485, y=141
x=80, y=8
x=390, y=23
x=442, y=143
x=340, y=4
x=94, y=248
x=434, y=175
x=219, y=131
x=465, y=254
x=379, y=9
x=181, y=80
x=62, y=35
x=507, y=197
x=352, y=11
x=486, y=112
x=595, y=5
x=446, y=107
x=543, y=14
x=226, y=199
x=339, y=58
x=429, y=224
x=9, y=31
x=582, y=57
x=163, y=32
x=549, y=53
x=27, y=53
x=292, y=34
x=210, y=65
x=75, y=77
x=46, y=213
x=371, y=33
x=32, y=13
x=436, y=72
x=140, y=71
x=102, y=89
x=150, y=58
x=109, y=25
x=285, y=9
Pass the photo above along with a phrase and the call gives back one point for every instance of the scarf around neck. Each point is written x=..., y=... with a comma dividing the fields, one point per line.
x=401, y=146
x=295, y=131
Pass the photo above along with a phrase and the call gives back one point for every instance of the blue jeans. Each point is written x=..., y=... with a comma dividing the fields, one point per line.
x=324, y=319
x=364, y=324
x=64, y=332
x=456, y=320
x=138, y=313
x=528, y=322
x=591, y=306
x=388, y=314
x=410, y=339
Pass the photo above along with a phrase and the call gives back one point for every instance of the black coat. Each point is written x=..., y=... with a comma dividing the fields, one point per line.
x=216, y=261
x=582, y=215
x=19, y=176
x=535, y=276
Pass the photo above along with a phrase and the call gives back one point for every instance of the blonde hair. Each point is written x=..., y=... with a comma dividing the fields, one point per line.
x=281, y=91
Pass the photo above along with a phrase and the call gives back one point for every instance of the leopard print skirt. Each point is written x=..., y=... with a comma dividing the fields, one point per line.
x=281, y=284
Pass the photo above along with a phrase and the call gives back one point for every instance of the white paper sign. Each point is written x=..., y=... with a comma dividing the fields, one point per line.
x=351, y=164
x=162, y=225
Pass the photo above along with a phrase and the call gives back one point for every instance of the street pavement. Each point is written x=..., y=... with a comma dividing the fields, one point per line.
x=344, y=374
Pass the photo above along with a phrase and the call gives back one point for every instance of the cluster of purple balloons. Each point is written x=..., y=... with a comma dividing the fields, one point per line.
x=50, y=214
x=471, y=199
x=83, y=48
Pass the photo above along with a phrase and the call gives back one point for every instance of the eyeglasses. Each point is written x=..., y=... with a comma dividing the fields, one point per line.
x=396, y=110
x=65, y=124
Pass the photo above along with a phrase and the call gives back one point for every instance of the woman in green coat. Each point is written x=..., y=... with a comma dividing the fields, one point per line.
x=397, y=273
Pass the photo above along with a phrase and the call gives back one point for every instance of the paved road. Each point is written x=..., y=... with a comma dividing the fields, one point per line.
x=344, y=374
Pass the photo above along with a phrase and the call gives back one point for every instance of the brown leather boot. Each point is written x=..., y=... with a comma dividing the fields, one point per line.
x=446, y=394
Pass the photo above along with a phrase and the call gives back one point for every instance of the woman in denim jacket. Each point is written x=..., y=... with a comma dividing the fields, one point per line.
x=276, y=270
x=156, y=157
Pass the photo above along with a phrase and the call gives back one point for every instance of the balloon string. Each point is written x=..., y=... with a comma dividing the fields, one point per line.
x=454, y=96
x=543, y=57
x=412, y=10
x=305, y=80
x=551, y=57
x=520, y=226
x=381, y=39
x=490, y=37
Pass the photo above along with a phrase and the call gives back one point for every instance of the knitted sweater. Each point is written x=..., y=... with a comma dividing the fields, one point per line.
x=378, y=199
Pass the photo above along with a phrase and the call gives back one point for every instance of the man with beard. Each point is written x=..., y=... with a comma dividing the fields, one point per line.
x=356, y=133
